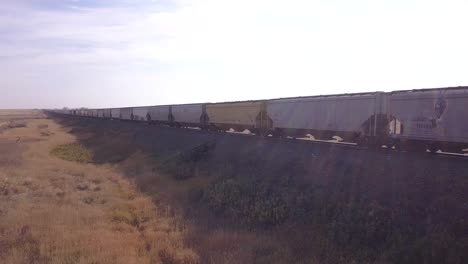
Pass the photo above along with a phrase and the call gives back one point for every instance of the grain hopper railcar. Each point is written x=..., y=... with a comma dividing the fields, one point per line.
x=140, y=113
x=107, y=113
x=352, y=117
x=189, y=115
x=433, y=119
x=126, y=113
x=159, y=114
x=239, y=116
x=100, y=113
x=115, y=113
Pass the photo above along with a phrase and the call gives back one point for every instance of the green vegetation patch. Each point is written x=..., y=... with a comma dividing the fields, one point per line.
x=255, y=202
x=73, y=152
x=185, y=165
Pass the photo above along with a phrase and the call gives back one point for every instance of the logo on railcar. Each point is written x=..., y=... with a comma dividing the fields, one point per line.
x=431, y=119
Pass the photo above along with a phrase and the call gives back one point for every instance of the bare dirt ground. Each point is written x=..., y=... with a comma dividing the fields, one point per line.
x=57, y=211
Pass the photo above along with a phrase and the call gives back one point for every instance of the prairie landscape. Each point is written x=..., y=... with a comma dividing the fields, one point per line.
x=58, y=211
x=79, y=190
x=233, y=132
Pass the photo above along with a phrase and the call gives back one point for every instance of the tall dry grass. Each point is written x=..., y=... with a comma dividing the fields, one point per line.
x=58, y=211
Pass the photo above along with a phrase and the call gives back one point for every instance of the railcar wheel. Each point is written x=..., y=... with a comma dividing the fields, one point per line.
x=362, y=141
x=377, y=144
x=397, y=145
x=279, y=134
x=259, y=132
x=453, y=149
x=414, y=147
x=433, y=147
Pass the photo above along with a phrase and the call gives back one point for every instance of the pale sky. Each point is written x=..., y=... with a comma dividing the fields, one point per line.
x=108, y=53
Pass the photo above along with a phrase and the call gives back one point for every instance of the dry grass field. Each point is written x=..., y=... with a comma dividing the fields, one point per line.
x=58, y=206
x=6, y=115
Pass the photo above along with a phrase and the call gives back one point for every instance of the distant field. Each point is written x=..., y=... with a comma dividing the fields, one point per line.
x=6, y=114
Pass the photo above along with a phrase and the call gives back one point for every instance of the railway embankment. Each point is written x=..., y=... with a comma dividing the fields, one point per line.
x=265, y=200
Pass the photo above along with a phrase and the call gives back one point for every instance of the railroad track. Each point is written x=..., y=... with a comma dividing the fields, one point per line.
x=355, y=146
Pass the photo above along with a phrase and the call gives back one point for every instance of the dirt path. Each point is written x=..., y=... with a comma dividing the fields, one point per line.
x=57, y=211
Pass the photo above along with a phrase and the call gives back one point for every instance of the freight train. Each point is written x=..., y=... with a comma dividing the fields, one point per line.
x=412, y=120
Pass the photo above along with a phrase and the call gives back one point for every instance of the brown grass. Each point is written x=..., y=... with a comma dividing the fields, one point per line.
x=56, y=211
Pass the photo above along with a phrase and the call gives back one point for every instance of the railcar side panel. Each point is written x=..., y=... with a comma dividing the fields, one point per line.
x=159, y=113
x=435, y=115
x=100, y=113
x=242, y=114
x=329, y=113
x=140, y=113
x=107, y=113
x=187, y=114
x=115, y=113
x=126, y=113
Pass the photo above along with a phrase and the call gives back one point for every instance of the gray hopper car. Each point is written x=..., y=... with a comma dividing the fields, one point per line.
x=115, y=113
x=126, y=113
x=140, y=113
x=100, y=113
x=107, y=113
x=432, y=118
x=349, y=116
x=424, y=119
x=188, y=115
x=160, y=114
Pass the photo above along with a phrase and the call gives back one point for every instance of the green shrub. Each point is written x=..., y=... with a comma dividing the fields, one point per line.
x=269, y=208
x=184, y=165
x=248, y=200
x=73, y=152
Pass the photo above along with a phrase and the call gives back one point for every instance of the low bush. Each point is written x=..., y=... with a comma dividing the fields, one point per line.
x=360, y=215
x=363, y=229
x=17, y=124
x=73, y=152
x=253, y=202
x=183, y=165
